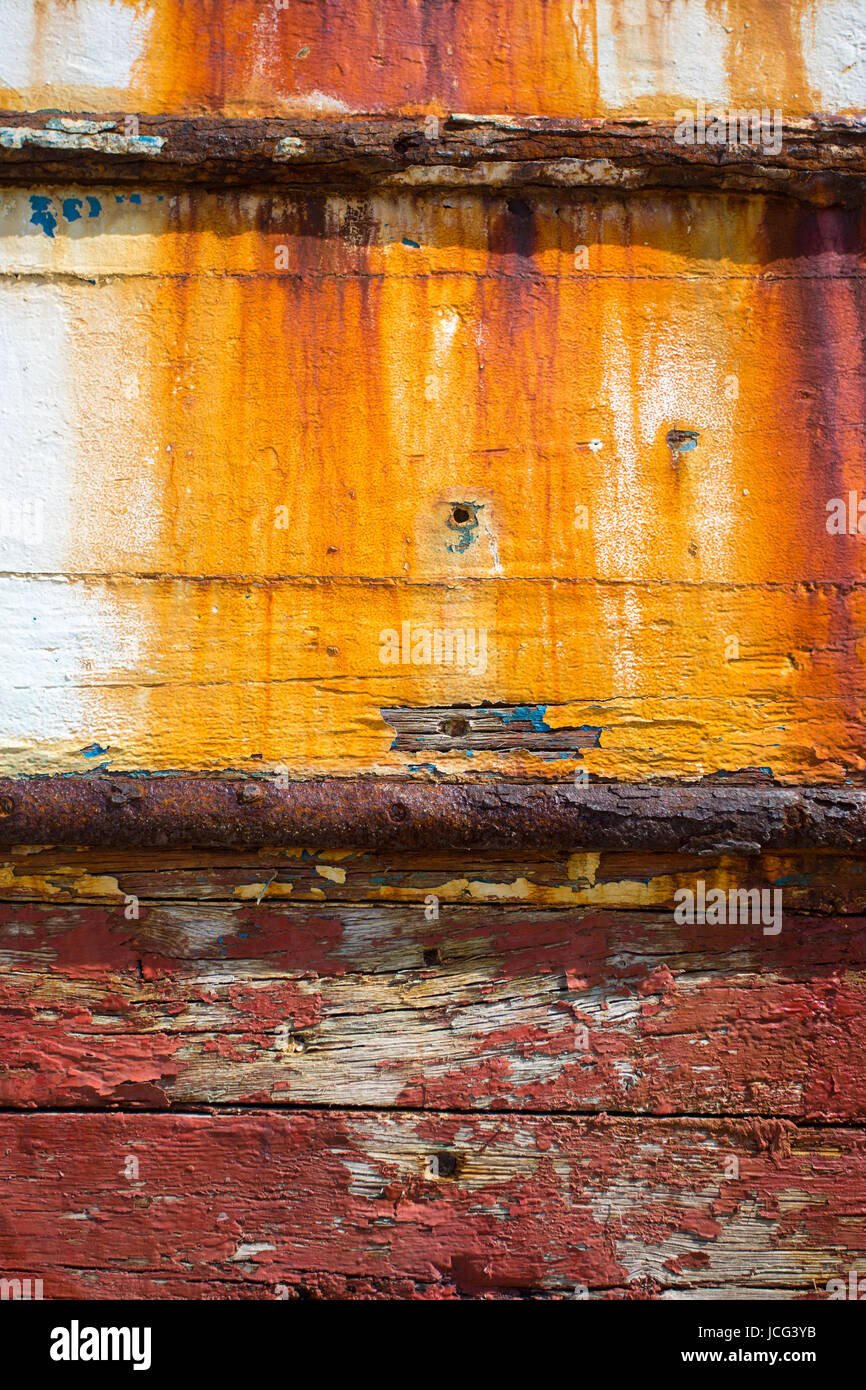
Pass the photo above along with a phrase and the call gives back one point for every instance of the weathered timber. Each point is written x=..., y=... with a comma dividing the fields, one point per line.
x=461, y=1203
x=821, y=160
x=701, y=818
x=209, y=1004
x=447, y=727
x=821, y=882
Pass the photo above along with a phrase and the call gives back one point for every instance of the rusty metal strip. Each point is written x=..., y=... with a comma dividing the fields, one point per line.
x=819, y=159
x=157, y=812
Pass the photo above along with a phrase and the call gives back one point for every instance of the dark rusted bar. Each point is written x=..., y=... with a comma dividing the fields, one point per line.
x=820, y=160
x=701, y=818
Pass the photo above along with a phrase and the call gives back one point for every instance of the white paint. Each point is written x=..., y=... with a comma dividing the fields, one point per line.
x=445, y=329
x=833, y=41
x=678, y=385
x=267, y=45
x=290, y=147
x=632, y=34
x=15, y=137
x=37, y=423
x=60, y=642
x=248, y=1251
x=320, y=104
x=84, y=43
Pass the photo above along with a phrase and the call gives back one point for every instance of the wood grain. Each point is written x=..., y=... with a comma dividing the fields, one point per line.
x=822, y=882
x=197, y=1004
x=271, y=405
x=234, y=1203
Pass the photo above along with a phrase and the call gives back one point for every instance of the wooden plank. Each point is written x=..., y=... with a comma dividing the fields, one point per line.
x=195, y=1004
x=185, y=674
x=230, y=535
x=403, y=322
x=257, y=1200
x=811, y=882
x=446, y=728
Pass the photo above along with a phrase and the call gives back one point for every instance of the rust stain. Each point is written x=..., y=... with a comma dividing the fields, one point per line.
x=561, y=58
x=313, y=425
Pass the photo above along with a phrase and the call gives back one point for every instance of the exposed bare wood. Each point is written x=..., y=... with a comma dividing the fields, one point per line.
x=448, y=727
x=821, y=881
x=193, y=1004
x=462, y=1204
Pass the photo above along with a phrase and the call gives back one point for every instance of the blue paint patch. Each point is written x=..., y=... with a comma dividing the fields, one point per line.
x=135, y=197
x=416, y=245
x=93, y=750
x=118, y=197
x=94, y=207
x=421, y=767
x=524, y=714
x=72, y=209
x=466, y=539
x=463, y=520
x=42, y=215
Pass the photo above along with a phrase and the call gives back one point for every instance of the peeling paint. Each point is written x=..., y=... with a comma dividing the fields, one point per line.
x=180, y=484
x=16, y=137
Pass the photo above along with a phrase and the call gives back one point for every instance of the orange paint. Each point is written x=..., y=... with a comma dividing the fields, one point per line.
x=308, y=430
x=560, y=58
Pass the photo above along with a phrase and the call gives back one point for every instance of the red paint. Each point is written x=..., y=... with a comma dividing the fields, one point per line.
x=561, y=1011
x=536, y=1203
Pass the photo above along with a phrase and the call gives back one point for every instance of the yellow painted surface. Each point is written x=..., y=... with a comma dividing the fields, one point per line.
x=260, y=414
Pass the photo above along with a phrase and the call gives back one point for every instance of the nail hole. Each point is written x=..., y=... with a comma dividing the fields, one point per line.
x=432, y=957
x=463, y=514
x=443, y=1165
x=454, y=728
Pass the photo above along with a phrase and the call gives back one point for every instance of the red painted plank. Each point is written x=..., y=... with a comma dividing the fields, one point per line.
x=533, y=1202
x=583, y=1011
